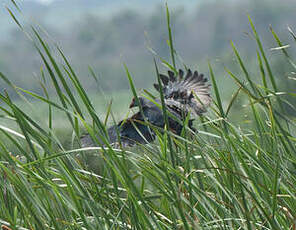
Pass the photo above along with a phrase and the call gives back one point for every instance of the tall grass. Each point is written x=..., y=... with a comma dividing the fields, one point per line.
x=222, y=177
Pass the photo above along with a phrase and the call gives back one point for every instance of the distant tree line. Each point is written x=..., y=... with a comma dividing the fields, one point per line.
x=106, y=43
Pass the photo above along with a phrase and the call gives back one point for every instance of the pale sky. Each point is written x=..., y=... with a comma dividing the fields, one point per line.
x=44, y=1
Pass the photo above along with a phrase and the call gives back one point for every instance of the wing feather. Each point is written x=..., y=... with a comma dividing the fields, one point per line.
x=164, y=79
x=190, y=94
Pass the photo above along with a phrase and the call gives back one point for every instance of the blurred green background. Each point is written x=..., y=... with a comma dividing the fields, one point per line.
x=236, y=172
x=105, y=34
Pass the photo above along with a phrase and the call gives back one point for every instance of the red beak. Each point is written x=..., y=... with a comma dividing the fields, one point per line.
x=132, y=104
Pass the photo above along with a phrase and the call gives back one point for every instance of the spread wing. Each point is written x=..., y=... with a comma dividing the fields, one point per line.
x=183, y=95
x=186, y=94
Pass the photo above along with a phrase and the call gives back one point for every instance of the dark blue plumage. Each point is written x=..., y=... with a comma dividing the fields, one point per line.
x=183, y=96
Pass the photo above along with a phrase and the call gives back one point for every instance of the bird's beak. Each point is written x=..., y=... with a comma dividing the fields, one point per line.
x=132, y=105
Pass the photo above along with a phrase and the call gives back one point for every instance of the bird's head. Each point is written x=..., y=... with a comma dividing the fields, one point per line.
x=135, y=103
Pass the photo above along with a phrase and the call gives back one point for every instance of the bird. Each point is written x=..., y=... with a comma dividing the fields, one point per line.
x=184, y=95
